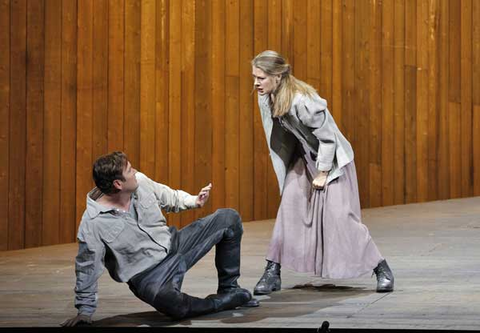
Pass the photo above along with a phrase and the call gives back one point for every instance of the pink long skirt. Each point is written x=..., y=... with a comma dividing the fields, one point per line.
x=320, y=231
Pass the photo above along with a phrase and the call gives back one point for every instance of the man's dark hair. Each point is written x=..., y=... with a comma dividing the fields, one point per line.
x=108, y=168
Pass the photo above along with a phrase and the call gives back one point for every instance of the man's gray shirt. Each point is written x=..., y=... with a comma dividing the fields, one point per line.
x=126, y=243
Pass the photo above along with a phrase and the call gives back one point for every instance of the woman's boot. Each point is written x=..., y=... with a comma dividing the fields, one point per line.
x=270, y=280
x=385, y=279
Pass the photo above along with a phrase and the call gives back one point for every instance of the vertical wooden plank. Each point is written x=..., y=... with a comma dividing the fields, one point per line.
x=53, y=116
x=454, y=97
x=274, y=42
x=432, y=114
x=337, y=43
x=5, y=115
x=443, y=118
x=455, y=136
x=399, y=103
x=454, y=50
x=17, y=125
x=326, y=52
x=362, y=98
x=175, y=88
x=203, y=104
x=84, y=104
x=116, y=74
x=313, y=43
x=387, y=91
x=218, y=103
x=476, y=98
x=190, y=92
x=422, y=100
x=232, y=109
x=476, y=52
x=131, y=134
x=299, y=61
x=100, y=78
x=375, y=91
x=466, y=96
x=246, y=112
x=198, y=109
x=288, y=10
x=274, y=12
x=410, y=101
x=261, y=157
x=35, y=98
x=476, y=150
x=68, y=122
x=348, y=70
x=147, y=87
x=161, y=86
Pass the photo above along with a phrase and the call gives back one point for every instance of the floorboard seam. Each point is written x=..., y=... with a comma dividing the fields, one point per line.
x=367, y=305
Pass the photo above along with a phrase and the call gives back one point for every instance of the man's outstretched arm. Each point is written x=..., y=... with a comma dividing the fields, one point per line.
x=169, y=199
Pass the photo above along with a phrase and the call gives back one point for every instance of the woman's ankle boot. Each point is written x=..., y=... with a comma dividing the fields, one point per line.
x=385, y=279
x=270, y=280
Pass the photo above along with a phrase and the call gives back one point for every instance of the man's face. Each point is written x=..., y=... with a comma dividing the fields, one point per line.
x=130, y=184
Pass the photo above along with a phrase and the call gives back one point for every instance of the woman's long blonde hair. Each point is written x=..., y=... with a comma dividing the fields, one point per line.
x=273, y=63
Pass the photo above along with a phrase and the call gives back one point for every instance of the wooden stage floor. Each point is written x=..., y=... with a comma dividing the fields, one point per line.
x=433, y=249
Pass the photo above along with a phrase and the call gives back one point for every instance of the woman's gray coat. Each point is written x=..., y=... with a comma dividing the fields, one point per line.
x=310, y=122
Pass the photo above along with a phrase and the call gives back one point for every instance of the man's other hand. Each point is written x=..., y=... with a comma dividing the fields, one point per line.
x=77, y=320
x=203, y=195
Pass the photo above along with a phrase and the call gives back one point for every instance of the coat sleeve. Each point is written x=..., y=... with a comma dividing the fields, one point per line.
x=313, y=113
x=169, y=199
x=89, y=266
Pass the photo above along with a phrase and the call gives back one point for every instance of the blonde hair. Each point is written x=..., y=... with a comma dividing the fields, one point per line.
x=273, y=63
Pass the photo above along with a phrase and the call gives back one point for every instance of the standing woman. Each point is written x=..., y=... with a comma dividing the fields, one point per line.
x=318, y=227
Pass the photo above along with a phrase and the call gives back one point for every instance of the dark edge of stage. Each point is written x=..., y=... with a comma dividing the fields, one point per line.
x=217, y=330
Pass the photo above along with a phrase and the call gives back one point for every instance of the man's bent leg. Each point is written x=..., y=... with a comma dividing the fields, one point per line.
x=223, y=229
x=227, y=260
x=161, y=286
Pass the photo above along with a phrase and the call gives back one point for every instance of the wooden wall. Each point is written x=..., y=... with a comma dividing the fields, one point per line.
x=169, y=82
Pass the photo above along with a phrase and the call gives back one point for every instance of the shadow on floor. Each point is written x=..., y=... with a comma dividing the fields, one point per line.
x=300, y=300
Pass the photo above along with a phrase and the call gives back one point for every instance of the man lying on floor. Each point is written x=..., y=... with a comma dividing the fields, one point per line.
x=124, y=230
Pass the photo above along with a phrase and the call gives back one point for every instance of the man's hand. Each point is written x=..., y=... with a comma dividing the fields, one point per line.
x=77, y=320
x=203, y=195
x=319, y=181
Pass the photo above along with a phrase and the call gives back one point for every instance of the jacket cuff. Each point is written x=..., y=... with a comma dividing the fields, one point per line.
x=191, y=201
x=86, y=311
x=322, y=166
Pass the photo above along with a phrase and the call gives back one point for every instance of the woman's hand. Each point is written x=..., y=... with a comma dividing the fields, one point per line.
x=203, y=195
x=320, y=181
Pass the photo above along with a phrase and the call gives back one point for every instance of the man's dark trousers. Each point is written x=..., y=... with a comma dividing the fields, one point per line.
x=160, y=286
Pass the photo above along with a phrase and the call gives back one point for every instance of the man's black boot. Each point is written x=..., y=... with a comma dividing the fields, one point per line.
x=385, y=280
x=230, y=300
x=270, y=280
x=227, y=261
x=178, y=305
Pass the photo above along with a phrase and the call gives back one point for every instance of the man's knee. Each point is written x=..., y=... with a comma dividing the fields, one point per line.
x=231, y=219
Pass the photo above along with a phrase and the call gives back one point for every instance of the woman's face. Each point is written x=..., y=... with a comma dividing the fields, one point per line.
x=264, y=83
